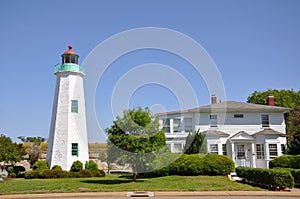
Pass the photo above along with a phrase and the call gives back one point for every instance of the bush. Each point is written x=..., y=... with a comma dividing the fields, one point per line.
x=15, y=171
x=47, y=173
x=57, y=168
x=76, y=166
x=91, y=165
x=40, y=165
x=195, y=165
x=217, y=165
x=272, y=178
x=295, y=173
x=286, y=161
x=98, y=173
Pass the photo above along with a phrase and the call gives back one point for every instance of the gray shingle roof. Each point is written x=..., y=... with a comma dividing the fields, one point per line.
x=269, y=131
x=231, y=106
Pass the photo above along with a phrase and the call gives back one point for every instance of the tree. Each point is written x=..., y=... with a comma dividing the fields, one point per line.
x=10, y=151
x=283, y=98
x=32, y=147
x=134, y=139
x=193, y=143
x=294, y=147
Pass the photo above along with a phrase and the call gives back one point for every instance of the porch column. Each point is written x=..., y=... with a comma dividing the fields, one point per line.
x=253, y=155
x=232, y=152
x=171, y=126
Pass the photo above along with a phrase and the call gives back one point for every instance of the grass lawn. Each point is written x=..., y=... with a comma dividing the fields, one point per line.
x=122, y=183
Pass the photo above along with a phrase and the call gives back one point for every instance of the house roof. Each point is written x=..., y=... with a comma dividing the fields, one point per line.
x=215, y=133
x=269, y=131
x=232, y=106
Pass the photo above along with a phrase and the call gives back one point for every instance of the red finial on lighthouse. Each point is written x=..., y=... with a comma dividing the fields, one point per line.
x=70, y=51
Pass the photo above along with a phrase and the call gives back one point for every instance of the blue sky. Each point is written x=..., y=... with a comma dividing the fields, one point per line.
x=254, y=44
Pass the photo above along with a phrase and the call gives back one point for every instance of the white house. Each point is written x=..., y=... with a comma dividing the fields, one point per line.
x=250, y=134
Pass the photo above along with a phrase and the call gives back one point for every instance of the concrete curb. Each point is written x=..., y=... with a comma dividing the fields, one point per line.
x=159, y=193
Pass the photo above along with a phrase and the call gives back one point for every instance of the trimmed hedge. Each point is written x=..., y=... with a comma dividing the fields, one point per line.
x=295, y=173
x=47, y=173
x=193, y=164
x=286, y=161
x=272, y=178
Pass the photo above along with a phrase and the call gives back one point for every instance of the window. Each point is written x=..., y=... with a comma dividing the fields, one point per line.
x=260, y=154
x=177, y=125
x=166, y=125
x=283, y=149
x=74, y=149
x=213, y=120
x=273, y=151
x=74, y=106
x=240, y=151
x=224, y=149
x=238, y=115
x=188, y=124
x=213, y=148
x=265, y=120
x=177, y=148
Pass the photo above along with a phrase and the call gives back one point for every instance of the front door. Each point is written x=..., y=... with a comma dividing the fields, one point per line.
x=243, y=155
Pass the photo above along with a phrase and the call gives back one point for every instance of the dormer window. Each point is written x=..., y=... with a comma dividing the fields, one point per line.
x=238, y=115
x=213, y=120
x=265, y=121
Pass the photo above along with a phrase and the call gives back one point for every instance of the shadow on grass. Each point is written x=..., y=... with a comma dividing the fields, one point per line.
x=106, y=181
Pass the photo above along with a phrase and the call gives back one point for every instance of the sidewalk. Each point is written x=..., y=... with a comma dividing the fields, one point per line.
x=293, y=193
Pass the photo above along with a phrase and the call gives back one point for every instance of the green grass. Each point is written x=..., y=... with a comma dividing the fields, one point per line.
x=114, y=183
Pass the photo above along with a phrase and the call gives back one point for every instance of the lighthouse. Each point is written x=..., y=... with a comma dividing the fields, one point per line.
x=68, y=133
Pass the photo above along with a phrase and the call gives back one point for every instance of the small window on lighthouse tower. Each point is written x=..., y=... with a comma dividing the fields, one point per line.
x=74, y=149
x=74, y=106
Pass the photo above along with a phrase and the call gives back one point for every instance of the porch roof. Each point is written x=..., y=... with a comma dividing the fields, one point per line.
x=214, y=133
x=269, y=131
x=241, y=136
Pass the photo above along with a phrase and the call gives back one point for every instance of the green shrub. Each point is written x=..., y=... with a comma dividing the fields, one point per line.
x=47, y=173
x=98, y=173
x=91, y=165
x=15, y=171
x=272, y=178
x=217, y=165
x=76, y=166
x=286, y=161
x=31, y=174
x=40, y=165
x=195, y=165
x=57, y=168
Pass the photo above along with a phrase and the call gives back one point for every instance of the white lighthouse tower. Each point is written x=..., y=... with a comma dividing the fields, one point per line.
x=68, y=133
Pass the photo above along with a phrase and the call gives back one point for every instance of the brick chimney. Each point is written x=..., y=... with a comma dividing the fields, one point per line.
x=213, y=99
x=270, y=100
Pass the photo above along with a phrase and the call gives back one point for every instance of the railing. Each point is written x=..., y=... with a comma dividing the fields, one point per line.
x=68, y=67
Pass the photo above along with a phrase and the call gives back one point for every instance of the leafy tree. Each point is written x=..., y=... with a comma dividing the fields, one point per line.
x=283, y=98
x=134, y=138
x=32, y=147
x=193, y=143
x=294, y=147
x=10, y=151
